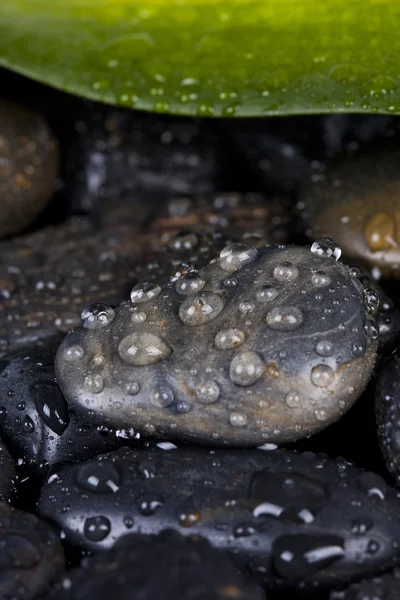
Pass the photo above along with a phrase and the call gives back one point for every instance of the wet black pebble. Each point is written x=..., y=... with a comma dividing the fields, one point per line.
x=386, y=587
x=167, y=567
x=293, y=519
x=120, y=154
x=28, y=166
x=261, y=345
x=31, y=556
x=7, y=473
x=35, y=419
x=387, y=405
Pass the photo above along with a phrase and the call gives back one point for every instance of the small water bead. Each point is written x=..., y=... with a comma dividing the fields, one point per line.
x=139, y=317
x=246, y=307
x=201, y=308
x=324, y=348
x=183, y=407
x=189, y=284
x=184, y=242
x=320, y=415
x=286, y=272
x=293, y=399
x=94, y=384
x=371, y=330
x=229, y=338
x=354, y=272
x=326, y=247
x=236, y=255
x=132, y=388
x=74, y=353
x=28, y=425
x=373, y=299
x=285, y=318
x=208, y=392
x=143, y=292
x=162, y=397
x=142, y=349
x=322, y=375
x=320, y=279
x=97, y=315
x=96, y=529
x=98, y=477
x=246, y=368
x=230, y=282
x=237, y=419
x=266, y=293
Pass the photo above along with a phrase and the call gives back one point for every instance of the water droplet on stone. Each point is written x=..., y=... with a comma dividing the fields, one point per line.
x=162, y=397
x=246, y=307
x=322, y=375
x=97, y=315
x=286, y=272
x=98, y=477
x=326, y=247
x=183, y=407
x=229, y=338
x=201, y=308
x=188, y=518
x=96, y=529
x=293, y=399
x=298, y=556
x=132, y=388
x=141, y=349
x=372, y=298
x=358, y=349
x=73, y=353
x=189, y=284
x=230, y=282
x=139, y=317
x=246, y=368
x=143, y=292
x=51, y=406
x=266, y=293
x=236, y=255
x=371, y=330
x=237, y=419
x=324, y=348
x=208, y=392
x=94, y=384
x=28, y=425
x=286, y=318
x=320, y=279
x=320, y=415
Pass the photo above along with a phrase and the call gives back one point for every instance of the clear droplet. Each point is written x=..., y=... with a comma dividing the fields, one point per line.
x=322, y=375
x=326, y=247
x=200, y=308
x=162, y=397
x=246, y=307
x=141, y=349
x=183, y=407
x=143, y=292
x=371, y=330
x=28, y=425
x=266, y=293
x=293, y=399
x=320, y=279
x=208, y=392
x=229, y=338
x=358, y=349
x=237, y=419
x=191, y=283
x=320, y=415
x=96, y=529
x=98, y=477
x=132, y=388
x=97, y=315
x=286, y=318
x=373, y=299
x=139, y=317
x=94, y=384
x=286, y=272
x=236, y=255
x=73, y=353
x=246, y=368
x=324, y=348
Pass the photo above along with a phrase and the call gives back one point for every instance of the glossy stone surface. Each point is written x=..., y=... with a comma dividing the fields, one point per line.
x=293, y=519
x=28, y=166
x=48, y=277
x=7, y=473
x=355, y=200
x=35, y=419
x=386, y=587
x=188, y=568
x=387, y=406
x=31, y=556
x=277, y=344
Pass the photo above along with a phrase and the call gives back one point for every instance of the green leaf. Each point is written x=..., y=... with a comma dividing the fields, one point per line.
x=211, y=57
